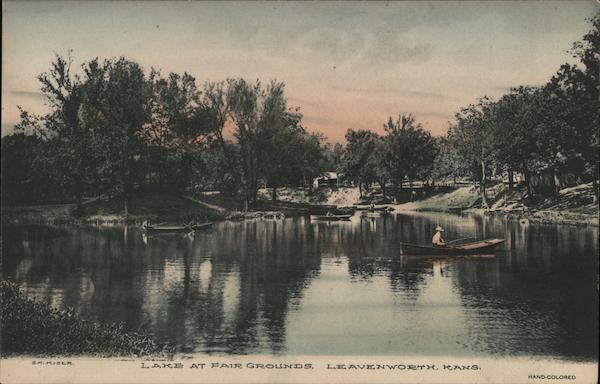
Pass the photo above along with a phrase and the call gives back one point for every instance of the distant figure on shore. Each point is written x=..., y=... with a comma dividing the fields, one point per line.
x=437, y=239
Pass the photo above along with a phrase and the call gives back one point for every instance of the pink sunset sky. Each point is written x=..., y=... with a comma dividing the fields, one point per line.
x=345, y=64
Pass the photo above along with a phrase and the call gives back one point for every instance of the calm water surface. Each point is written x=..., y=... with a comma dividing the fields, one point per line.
x=300, y=287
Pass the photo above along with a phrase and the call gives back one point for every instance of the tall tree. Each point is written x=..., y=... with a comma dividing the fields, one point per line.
x=357, y=162
x=472, y=135
x=187, y=120
x=71, y=142
x=409, y=150
x=117, y=107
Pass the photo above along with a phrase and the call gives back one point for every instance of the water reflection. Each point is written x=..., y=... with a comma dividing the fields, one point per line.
x=302, y=287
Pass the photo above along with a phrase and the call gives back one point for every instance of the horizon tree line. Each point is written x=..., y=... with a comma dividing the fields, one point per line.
x=543, y=133
x=113, y=128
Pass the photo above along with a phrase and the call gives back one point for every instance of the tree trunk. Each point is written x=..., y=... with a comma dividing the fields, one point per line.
x=555, y=182
x=511, y=180
x=79, y=208
x=274, y=193
x=482, y=186
x=527, y=181
x=126, y=191
x=595, y=181
x=399, y=193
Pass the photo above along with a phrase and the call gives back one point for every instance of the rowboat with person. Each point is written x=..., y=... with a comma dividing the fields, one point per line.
x=440, y=247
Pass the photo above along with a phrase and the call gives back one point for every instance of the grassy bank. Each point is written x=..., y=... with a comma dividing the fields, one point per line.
x=30, y=327
x=460, y=199
x=152, y=206
x=573, y=206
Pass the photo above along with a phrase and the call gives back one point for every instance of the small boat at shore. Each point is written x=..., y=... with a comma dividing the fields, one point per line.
x=476, y=247
x=384, y=208
x=330, y=217
x=166, y=228
x=198, y=227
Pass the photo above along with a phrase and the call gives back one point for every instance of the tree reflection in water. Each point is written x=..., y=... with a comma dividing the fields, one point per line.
x=302, y=287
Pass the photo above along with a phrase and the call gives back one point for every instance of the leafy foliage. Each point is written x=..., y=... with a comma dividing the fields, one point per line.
x=35, y=328
x=550, y=129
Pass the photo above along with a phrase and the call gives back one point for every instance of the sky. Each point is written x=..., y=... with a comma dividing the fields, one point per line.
x=345, y=64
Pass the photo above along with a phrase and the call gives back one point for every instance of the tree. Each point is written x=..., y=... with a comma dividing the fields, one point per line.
x=447, y=164
x=280, y=138
x=244, y=112
x=357, y=162
x=23, y=178
x=268, y=133
x=472, y=135
x=579, y=91
x=70, y=143
x=408, y=151
x=184, y=121
x=116, y=108
x=331, y=156
x=519, y=134
x=216, y=98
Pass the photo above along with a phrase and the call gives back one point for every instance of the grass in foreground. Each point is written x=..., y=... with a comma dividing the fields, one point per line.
x=30, y=327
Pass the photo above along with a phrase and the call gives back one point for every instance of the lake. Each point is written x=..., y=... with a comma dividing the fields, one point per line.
x=293, y=286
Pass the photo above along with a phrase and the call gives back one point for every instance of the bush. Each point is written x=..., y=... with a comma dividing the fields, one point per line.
x=30, y=327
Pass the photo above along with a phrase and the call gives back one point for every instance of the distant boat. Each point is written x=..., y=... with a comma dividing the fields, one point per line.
x=197, y=227
x=369, y=208
x=166, y=228
x=476, y=247
x=330, y=217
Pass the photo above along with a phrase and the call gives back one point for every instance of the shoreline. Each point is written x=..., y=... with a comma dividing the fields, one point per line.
x=536, y=217
x=548, y=217
x=571, y=206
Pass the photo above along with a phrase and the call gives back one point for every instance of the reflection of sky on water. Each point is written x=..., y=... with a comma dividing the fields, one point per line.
x=302, y=287
x=369, y=322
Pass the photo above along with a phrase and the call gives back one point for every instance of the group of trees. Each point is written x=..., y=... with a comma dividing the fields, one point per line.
x=112, y=128
x=545, y=131
x=549, y=130
x=406, y=152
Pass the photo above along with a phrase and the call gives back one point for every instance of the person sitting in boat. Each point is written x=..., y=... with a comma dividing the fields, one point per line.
x=437, y=239
x=329, y=214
